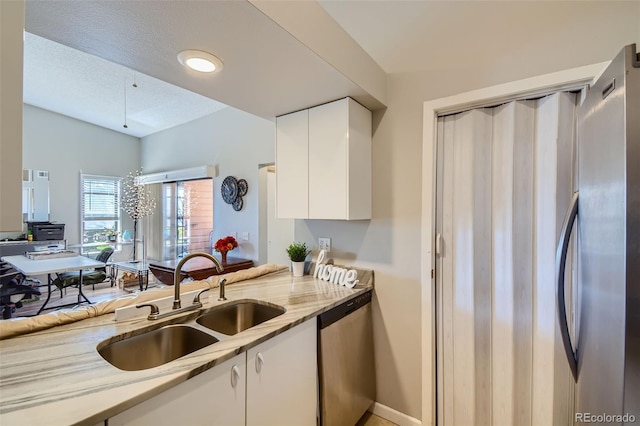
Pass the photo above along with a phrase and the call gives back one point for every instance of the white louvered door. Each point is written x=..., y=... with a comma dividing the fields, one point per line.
x=505, y=179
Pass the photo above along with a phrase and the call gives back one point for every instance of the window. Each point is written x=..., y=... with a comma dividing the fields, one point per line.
x=99, y=210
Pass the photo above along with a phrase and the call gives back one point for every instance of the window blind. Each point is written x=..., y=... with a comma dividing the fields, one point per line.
x=100, y=197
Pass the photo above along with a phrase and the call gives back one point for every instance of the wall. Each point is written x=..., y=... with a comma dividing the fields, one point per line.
x=11, y=47
x=66, y=147
x=237, y=142
x=390, y=243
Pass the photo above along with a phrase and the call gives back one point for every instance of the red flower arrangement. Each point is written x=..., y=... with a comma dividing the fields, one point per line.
x=223, y=245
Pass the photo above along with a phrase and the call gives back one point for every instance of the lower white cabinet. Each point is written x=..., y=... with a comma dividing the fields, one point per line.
x=282, y=379
x=214, y=397
x=274, y=383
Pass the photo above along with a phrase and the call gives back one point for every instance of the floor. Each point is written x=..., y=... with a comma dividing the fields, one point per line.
x=370, y=419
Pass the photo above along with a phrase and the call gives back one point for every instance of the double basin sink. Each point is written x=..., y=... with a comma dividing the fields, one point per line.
x=160, y=346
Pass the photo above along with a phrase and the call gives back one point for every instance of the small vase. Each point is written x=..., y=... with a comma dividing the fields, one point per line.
x=223, y=254
x=297, y=268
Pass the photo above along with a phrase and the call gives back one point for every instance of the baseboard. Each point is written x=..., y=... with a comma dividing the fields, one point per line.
x=393, y=416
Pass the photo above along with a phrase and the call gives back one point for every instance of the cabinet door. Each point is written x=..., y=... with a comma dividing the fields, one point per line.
x=359, y=173
x=292, y=170
x=328, y=156
x=215, y=397
x=282, y=379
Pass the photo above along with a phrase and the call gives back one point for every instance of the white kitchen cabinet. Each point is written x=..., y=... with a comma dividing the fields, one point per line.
x=214, y=397
x=282, y=379
x=292, y=166
x=323, y=162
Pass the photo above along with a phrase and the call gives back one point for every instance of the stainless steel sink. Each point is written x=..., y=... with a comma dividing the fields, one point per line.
x=239, y=316
x=155, y=348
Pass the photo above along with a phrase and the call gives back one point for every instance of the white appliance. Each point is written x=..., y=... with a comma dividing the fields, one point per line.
x=35, y=196
x=605, y=353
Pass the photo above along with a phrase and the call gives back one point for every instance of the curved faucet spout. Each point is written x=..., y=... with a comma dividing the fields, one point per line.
x=176, y=273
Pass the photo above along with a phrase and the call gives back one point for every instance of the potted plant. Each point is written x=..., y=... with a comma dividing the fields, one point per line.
x=223, y=245
x=298, y=252
x=112, y=235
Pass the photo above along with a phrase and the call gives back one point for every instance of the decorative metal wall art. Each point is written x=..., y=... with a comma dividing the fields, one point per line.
x=233, y=190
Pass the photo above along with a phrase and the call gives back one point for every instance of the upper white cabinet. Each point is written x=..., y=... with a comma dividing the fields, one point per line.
x=292, y=165
x=323, y=162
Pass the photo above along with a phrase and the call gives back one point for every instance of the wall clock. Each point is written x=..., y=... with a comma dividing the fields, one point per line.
x=229, y=189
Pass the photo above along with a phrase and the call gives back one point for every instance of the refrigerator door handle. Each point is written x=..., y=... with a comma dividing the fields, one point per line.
x=561, y=261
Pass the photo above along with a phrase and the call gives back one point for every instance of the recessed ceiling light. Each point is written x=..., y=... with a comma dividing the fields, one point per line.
x=200, y=61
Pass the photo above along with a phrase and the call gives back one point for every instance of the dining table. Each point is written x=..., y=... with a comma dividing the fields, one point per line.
x=31, y=267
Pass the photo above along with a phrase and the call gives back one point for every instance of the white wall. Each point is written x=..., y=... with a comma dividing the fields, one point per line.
x=235, y=141
x=65, y=147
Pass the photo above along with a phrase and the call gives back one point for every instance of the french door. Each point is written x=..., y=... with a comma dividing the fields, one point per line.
x=187, y=211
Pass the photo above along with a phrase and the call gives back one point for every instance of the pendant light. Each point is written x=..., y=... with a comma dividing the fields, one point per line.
x=125, y=103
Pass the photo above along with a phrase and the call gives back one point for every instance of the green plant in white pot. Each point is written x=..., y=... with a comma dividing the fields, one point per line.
x=298, y=252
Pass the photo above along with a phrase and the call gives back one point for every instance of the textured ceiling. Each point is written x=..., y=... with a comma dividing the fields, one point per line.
x=267, y=72
x=73, y=83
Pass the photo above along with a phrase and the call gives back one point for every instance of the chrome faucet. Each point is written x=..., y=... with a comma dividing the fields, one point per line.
x=155, y=311
x=197, y=304
x=176, y=273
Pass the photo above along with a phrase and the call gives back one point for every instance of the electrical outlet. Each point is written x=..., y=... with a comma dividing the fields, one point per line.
x=245, y=236
x=325, y=244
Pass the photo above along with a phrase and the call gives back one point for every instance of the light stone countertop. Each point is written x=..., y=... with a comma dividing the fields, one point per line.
x=57, y=377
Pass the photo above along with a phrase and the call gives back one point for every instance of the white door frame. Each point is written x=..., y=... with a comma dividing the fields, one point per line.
x=562, y=80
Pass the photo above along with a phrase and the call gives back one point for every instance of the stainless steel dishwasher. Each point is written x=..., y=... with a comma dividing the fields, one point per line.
x=345, y=356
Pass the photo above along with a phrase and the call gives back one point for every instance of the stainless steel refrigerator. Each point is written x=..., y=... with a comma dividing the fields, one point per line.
x=604, y=349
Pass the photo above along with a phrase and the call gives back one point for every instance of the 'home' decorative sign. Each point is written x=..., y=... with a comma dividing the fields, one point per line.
x=333, y=274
